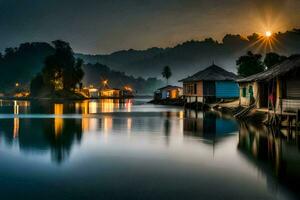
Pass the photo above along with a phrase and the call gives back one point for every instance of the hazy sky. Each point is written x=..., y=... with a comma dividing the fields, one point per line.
x=104, y=26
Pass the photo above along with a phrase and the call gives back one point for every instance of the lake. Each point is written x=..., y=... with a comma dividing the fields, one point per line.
x=108, y=149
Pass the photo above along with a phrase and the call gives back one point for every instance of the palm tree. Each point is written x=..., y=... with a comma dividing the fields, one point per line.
x=166, y=73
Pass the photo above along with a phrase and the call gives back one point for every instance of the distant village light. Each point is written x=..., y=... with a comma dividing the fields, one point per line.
x=17, y=84
x=105, y=82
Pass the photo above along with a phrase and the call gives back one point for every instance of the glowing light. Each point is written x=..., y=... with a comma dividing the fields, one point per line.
x=58, y=120
x=16, y=127
x=17, y=84
x=268, y=33
x=128, y=88
x=128, y=105
x=92, y=107
x=107, y=105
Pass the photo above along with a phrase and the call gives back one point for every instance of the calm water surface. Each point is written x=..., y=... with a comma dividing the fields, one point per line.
x=106, y=149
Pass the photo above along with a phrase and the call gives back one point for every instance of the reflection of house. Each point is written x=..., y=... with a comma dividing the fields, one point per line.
x=271, y=153
x=277, y=88
x=209, y=125
x=212, y=82
x=168, y=92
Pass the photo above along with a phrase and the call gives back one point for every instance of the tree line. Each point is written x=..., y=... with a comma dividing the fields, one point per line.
x=252, y=63
x=62, y=72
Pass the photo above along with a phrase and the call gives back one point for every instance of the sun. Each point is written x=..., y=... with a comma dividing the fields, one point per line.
x=268, y=33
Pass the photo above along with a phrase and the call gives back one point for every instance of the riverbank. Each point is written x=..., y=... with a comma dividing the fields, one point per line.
x=68, y=97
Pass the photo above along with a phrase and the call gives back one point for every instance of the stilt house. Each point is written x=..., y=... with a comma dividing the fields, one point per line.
x=211, y=83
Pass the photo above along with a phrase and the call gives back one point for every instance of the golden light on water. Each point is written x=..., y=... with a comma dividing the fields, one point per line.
x=58, y=120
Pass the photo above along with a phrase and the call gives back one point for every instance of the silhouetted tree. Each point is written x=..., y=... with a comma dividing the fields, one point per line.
x=272, y=59
x=22, y=64
x=62, y=71
x=9, y=52
x=37, y=85
x=166, y=73
x=249, y=64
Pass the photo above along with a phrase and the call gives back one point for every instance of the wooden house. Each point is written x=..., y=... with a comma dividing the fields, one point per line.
x=276, y=89
x=168, y=92
x=211, y=83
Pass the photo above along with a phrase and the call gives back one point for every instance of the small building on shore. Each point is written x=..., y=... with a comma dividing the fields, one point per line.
x=276, y=89
x=110, y=93
x=116, y=93
x=89, y=92
x=168, y=92
x=93, y=93
x=210, y=84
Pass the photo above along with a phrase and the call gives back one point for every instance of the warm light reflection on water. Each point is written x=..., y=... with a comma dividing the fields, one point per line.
x=58, y=121
x=86, y=146
x=16, y=127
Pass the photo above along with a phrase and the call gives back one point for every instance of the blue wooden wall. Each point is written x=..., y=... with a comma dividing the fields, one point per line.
x=227, y=89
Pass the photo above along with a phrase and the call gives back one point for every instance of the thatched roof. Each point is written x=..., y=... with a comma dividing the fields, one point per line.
x=212, y=73
x=278, y=70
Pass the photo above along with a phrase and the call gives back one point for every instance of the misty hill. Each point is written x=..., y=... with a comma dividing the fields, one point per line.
x=192, y=56
x=96, y=73
x=22, y=63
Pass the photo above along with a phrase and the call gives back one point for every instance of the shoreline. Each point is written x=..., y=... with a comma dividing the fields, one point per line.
x=67, y=98
x=245, y=114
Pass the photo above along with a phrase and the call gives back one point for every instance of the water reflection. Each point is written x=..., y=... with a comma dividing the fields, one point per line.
x=209, y=125
x=274, y=153
x=60, y=133
x=151, y=147
x=58, y=121
x=79, y=107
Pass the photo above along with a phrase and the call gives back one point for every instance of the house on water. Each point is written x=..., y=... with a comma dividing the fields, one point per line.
x=210, y=84
x=276, y=89
x=168, y=92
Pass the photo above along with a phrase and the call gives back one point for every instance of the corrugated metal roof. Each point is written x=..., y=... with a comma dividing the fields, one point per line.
x=212, y=73
x=278, y=70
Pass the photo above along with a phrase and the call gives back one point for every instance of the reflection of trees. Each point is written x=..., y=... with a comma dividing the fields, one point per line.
x=273, y=152
x=61, y=144
x=39, y=135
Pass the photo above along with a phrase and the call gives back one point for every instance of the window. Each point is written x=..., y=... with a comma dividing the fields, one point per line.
x=195, y=88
